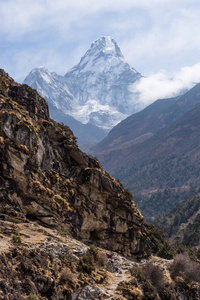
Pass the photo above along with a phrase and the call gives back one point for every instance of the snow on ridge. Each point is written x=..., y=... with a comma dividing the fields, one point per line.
x=109, y=46
x=96, y=90
x=94, y=110
x=102, y=54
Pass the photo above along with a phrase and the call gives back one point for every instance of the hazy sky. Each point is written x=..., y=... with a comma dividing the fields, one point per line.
x=159, y=37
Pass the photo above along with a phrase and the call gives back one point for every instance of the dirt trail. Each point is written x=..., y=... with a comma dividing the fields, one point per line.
x=115, y=280
x=116, y=277
x=35, y=235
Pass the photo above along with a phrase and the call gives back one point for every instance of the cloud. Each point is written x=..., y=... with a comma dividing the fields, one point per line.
x=168, y=40
x=152, y=34
x=159, y=85
x=23, y=16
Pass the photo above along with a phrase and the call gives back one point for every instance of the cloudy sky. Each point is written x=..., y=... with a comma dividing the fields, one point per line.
x=159, y=38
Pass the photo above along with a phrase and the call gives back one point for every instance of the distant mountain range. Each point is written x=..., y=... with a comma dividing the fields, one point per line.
x=144, y=124
x=97, y=91
x=156, y=152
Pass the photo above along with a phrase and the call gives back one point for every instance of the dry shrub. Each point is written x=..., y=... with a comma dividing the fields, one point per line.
x=31, y=297
x=88, y=260
x=66, y=275
x=179, y=265
x=16, y=240
x=102, y=261
x=154, y=275
x=193, y=272
x=137, y=293
x=183, y=266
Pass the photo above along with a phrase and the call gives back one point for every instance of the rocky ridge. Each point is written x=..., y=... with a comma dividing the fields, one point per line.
x=45, y=177
x=61, y=102
x=147, y=122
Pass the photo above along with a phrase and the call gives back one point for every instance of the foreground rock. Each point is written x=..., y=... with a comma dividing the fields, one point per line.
x=38, y=263
x=44, y=176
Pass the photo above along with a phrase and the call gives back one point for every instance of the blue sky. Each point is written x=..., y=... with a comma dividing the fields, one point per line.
x=160, y=38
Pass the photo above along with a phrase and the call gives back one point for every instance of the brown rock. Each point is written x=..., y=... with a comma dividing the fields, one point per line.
x=46, y=177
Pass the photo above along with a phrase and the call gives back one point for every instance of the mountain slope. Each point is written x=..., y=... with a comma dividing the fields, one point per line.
x=60, y=101
x=45, y=177
x=144, y=124
x=183, y=223
x=85, y=133
x=52, y=87
x=162, y=167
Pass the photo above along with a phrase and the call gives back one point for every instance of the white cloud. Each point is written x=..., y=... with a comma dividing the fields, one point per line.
x=159, y=85
x=21, y=16
x=152, y=34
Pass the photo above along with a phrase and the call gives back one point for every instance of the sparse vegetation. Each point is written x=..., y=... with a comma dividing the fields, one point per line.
x=154, y=275
x=89, y=259
x=16, y=240
x=66, y=275
x=31, y=297
x=160, y=186
x=184, y=267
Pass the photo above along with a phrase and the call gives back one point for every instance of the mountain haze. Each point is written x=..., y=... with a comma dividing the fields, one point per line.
x=164, y=169
x=144, y=124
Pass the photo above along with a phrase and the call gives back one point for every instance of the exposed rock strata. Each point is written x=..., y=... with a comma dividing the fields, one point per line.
x=44, y=176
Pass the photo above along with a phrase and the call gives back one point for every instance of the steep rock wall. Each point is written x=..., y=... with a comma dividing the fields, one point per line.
x=45, y=177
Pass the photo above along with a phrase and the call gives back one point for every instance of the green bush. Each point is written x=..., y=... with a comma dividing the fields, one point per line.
x=87, y=261
x=159, y=244
x=16, y=240
x=149, y=291
x=167, y=294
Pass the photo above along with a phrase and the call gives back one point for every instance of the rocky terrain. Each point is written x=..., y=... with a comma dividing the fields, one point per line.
x=39, y=262
x=45, y=176
x=61, y=214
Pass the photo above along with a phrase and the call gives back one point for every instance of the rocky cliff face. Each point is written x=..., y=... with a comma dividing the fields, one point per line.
x=45, y=177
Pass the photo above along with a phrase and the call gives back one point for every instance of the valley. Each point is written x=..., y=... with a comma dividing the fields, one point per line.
x=62, y=213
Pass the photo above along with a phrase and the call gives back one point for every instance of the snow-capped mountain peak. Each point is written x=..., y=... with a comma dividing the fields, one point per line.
x=52, y=87
x=96, y=91
x=103, y=75
x=108, y=46
x=103, y=54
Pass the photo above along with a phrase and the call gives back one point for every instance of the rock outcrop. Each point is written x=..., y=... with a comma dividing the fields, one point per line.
x=45, y=177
